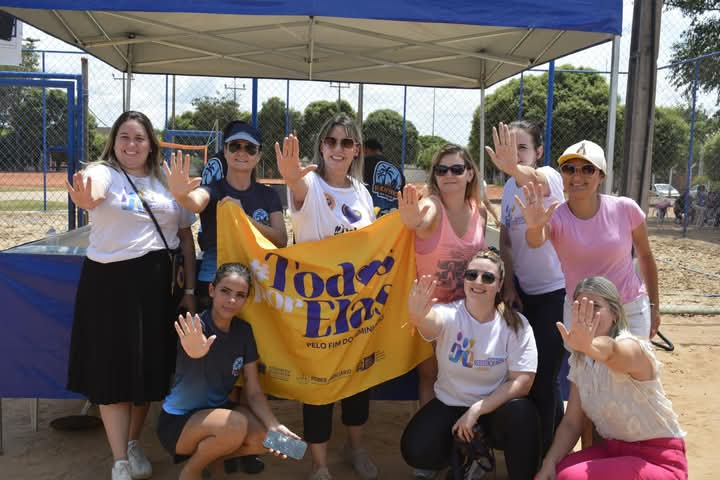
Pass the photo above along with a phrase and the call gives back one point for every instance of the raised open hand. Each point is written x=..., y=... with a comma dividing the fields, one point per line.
x=505, y=155
x=409, y=206
x=535, y=213
x=178, y=176
x=421, y=300
x=583, y=325
x=81, y=192
x=192, y=338
x=288, y=160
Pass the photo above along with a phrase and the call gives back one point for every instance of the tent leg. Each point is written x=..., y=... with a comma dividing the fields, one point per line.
x=1, y=428
x=86, y=408
x=34, y=409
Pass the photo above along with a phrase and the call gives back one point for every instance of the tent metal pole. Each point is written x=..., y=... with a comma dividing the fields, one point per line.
x=612, y=114
x=481, y=160
x=549, y=112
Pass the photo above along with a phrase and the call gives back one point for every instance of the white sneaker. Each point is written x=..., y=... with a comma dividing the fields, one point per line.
x=121, y=470
x=140, y=466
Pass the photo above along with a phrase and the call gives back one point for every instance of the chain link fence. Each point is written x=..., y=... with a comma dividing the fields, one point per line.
x=410, y=122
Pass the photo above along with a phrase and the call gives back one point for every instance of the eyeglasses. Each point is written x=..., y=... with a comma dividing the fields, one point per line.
x=250, y=148
x=488, y=278
x=346, y=143
x=442, y=170
x=586, y=169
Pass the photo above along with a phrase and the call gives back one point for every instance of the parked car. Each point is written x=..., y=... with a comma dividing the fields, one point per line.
x=665, y=190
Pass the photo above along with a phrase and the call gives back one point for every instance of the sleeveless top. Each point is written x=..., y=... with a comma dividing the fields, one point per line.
x=621, y=407
x=445, y=255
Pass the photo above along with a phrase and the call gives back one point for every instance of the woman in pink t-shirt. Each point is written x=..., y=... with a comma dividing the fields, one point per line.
x=594, y=235
x=449, y=227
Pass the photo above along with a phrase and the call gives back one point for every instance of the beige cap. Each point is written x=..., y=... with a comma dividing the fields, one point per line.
x=585, y=150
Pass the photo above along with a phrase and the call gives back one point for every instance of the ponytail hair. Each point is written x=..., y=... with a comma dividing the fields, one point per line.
x=512, y=318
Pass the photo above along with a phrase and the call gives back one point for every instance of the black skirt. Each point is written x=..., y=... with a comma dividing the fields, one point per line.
x=123, y=343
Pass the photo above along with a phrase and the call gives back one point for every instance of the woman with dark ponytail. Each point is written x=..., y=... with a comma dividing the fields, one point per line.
x=486, y=365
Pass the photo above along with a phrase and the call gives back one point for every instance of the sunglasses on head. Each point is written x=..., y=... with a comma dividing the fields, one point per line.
x=346, y=143
x=442, y=170
x=487, y=278
x=585, y=169
x=250, y=148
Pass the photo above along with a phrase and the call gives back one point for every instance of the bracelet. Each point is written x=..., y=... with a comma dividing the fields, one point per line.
x=189, y=291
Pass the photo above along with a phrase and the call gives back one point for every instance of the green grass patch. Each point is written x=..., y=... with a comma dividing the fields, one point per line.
x=30, y=205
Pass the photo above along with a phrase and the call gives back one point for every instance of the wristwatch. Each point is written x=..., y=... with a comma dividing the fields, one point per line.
x=189, y=291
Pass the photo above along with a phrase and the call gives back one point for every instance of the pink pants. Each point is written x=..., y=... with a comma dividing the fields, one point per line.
x=656, y=459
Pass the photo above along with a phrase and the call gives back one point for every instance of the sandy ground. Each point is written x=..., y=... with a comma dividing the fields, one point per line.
x=689, y=273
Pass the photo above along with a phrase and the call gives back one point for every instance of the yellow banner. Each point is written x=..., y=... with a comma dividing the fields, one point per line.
x=327, y=315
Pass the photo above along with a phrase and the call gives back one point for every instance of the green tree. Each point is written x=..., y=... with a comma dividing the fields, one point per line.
x=386, y=126
x=271, y=122
x=580, y=109
x=671, y=137
x=208, y=113
x=711, y=157
x=314, y=116
x=702, y=37
x=429, y=145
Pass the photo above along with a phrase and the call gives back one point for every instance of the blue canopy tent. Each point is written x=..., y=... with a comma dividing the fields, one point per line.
x=464, y=44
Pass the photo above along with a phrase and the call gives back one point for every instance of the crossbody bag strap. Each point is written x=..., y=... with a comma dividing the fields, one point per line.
x=147, y=209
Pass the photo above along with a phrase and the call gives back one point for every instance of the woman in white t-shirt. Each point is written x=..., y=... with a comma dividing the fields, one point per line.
x=616, y=384
x=122, y=350
x=325, y=199
x=486, y=365
x=540, y=290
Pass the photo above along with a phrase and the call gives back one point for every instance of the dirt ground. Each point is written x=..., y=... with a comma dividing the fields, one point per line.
x=689, y=273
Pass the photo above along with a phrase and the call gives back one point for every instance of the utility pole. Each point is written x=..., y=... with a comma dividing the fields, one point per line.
x=339, y=87
x=235, y=89
x=640, y=103
x=123, y=78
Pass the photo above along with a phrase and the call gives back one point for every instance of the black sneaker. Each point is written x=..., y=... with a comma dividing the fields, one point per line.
x=249, y=464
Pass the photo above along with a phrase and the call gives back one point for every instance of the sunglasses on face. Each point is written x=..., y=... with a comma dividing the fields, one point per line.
x=250, y=148
x=346, y=143
x=488, y=278
x=586, y=169
x=442, y=170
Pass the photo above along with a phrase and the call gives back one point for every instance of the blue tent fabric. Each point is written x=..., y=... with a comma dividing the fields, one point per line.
x=37, y=294
x=604, y=16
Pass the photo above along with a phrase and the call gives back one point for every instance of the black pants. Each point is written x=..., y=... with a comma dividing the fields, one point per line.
x=542, y=311
x=317, y=419
x=427, y=440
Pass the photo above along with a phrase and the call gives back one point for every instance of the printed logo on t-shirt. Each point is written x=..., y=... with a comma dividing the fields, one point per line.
x=130, y=201
x=261, y=216
x=508, y=219
x=330, y=200
x=237, y=366
x=461, y=351
x=212, y=171
x=350, y=214
x=386, y=180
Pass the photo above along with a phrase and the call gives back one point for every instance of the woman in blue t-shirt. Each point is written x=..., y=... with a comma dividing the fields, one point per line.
x=199, y=421
x=242, y=151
